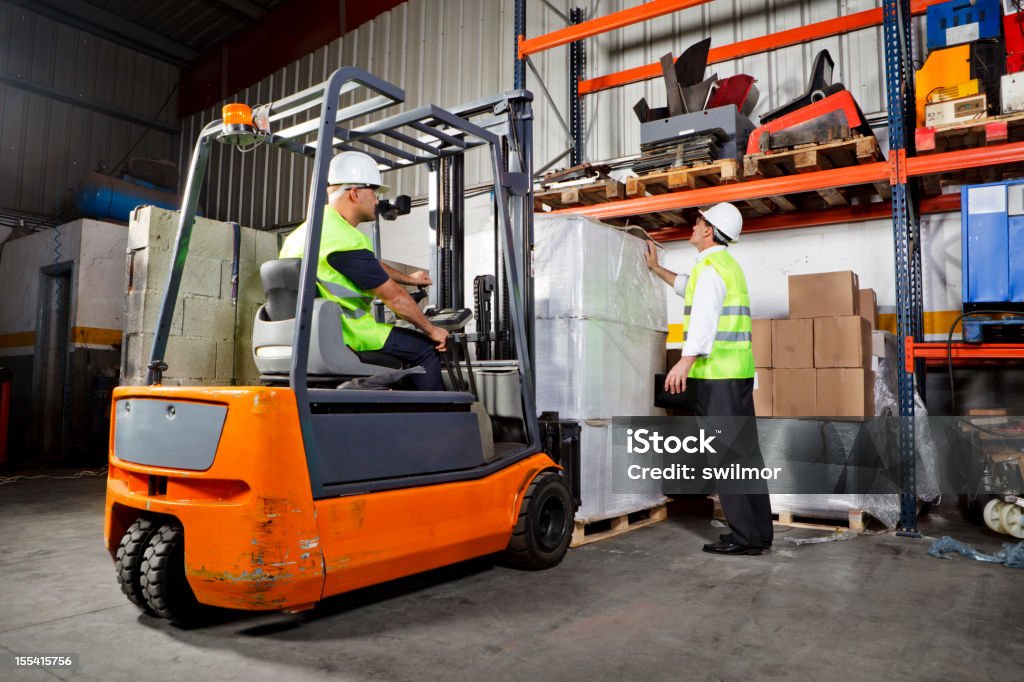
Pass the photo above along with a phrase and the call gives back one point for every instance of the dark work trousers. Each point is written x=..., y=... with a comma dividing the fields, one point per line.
x=732, y=400
x=414, y=348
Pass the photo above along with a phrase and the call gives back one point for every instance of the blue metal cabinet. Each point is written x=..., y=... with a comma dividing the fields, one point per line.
x=992, y=222
x=962, y=21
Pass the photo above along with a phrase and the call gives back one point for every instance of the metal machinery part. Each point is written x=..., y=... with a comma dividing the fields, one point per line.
x=483, y=291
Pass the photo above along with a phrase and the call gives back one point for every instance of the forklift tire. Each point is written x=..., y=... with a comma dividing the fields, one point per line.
x=163, y=580
x=544, y=527
x=128, y=561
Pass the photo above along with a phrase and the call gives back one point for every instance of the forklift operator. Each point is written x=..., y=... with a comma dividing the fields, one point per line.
x=349, y=274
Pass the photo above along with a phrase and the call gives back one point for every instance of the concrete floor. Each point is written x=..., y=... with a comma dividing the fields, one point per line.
x=645, y=605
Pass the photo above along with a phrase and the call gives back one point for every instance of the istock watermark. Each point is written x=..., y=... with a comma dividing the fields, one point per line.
x=977, y=457
x=642, y=441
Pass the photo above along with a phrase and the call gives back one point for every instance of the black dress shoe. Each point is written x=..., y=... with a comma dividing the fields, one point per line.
x=727, y=538
x=729, y=547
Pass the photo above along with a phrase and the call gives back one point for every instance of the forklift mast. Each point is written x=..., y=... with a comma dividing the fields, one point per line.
x=319, y=122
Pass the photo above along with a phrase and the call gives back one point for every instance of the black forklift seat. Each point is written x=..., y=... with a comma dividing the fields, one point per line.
x=329, y=358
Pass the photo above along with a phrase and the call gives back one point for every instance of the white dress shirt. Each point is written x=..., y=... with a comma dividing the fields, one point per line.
x=708, y=298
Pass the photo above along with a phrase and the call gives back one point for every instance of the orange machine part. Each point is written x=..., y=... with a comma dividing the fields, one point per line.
x=236, y=114
x=841, y=101
x=255, y=538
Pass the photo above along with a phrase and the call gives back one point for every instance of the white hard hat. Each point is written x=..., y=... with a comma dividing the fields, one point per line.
x=725, y=218
x=355, y=168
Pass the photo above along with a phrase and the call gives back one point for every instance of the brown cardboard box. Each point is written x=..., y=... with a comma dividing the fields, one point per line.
x=763, y=388
x=794, y=392
x=882, y=343
x=824, y=295
x=845, y=392
x=761, y=339
x=792, y=344
x=869, y=307
x=842, y=342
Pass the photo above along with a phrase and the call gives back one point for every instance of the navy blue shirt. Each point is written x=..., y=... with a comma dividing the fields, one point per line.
x=360, y=266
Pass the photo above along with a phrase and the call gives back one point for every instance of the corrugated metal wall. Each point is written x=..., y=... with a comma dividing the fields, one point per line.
x=449, y=52
x=47, y=145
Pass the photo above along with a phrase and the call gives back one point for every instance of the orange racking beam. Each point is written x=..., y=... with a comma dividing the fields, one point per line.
x=805, y=182
x=960, y=351
x=745, y=48
x=964, y=158
x=610, y=22
x=944, y=203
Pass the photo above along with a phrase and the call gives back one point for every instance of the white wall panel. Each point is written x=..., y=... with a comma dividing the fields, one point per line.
x=47, y=145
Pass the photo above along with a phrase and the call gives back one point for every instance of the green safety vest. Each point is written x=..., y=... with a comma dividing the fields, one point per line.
x=361, y=330
x=731, y=356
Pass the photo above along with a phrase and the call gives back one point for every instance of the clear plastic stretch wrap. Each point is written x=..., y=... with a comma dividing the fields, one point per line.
x=883, y=431
x=597, y=501
x=587, y=269
x=592, y=369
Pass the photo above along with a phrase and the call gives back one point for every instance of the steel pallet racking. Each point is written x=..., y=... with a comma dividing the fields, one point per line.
x=900, y=171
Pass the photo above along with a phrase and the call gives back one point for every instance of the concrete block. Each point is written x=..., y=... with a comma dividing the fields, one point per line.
x=153, y=227
x=225, y=361
x=194, y=359
x=250, y=287
x=267, y=246
x=150, y=268
x=202, y=276
x=142, y=308
x=211, y=239
x=246, y=319
x=135, y=359
x=190, y=361
x=208, y=318
x=247, y=250
x=248, y=375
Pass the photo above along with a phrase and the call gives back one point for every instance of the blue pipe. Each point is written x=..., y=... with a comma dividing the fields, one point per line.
x=101, y=196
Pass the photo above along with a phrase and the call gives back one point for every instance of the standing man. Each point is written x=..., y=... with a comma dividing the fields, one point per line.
x=717, y=364
x=349, y=274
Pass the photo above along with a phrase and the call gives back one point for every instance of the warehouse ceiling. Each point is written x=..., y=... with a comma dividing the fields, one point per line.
x=177, y=31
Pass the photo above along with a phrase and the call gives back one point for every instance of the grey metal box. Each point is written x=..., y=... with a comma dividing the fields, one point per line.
x=736, y=126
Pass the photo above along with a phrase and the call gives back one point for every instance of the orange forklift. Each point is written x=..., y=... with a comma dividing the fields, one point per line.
x=328, y=476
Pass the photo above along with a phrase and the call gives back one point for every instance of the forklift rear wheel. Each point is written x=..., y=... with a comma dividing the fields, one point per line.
x=1011, y=518
x=128, y=561
x=992, y=515
x=544, y=527
x=163, y=580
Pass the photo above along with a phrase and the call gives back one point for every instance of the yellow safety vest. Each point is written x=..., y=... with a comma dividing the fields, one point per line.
x=731, y=355
x=361, y=330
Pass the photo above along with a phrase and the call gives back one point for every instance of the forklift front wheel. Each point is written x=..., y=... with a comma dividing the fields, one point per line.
x=544, y=527
x=164, y=584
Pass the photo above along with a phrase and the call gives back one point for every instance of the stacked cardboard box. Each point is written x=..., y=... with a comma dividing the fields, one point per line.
x=817, y=362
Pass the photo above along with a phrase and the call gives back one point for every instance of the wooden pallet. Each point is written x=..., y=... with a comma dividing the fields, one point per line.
x=807, y=159
x=568, y=195
x=983, y=132
x=854, y=520
x=585, y=533
x=572, y=194
x=722, y=172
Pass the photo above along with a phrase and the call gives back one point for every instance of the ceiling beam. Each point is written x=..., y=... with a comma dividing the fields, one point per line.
x=92, y=19
x=246, y=7
x=74, y=100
